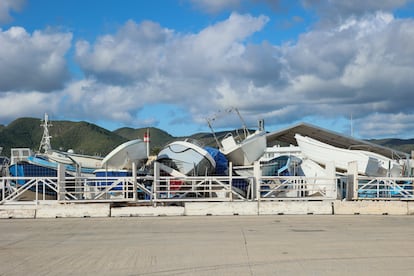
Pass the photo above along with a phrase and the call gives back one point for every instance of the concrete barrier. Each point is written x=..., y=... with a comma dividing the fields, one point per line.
x=410, y=207
x=295, y=207
x=220, y=208
x=337, y=207
x=17, y=211
x=368, y=207
x=137, y=211
x=73, y=210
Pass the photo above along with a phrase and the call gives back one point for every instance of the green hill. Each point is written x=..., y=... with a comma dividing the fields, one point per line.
x=158, y=137
x=82, y=137
x=87, y=138
x=404, y=145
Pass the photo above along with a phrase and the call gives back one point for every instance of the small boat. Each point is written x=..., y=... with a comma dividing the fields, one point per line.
x=71, y=158
x=188, y=158
x=71, y=169
x=369, y=163
x=246, y=151
x=123, y=156
x=275, y=161
x=242, y=149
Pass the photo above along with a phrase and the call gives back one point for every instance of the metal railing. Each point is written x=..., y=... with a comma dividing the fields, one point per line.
x=127, y=189
x=385, y=188
x=154, y=189
x=297, y=187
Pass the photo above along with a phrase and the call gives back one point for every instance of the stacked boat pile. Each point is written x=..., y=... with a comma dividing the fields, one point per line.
x=311, y=157
x=188, y=158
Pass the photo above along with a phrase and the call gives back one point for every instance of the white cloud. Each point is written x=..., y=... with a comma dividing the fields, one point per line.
x=133, y=53
x=362, y=66
x=374, y=124
x=27, y=104
x=170, y=67
x=338, y=10
x=6, y=6
x=33, y=61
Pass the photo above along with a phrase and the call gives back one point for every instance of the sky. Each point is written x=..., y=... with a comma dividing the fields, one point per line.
x=347, y=66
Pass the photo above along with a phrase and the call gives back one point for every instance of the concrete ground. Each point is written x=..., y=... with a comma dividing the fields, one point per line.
x=209, y=245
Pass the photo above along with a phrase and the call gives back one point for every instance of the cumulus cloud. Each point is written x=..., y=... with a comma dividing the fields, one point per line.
x=6, y=6
x=167, y=65
x=334, y=11
x=28, y=104
x=360, y=65
x=133, y=53
x=32, y=62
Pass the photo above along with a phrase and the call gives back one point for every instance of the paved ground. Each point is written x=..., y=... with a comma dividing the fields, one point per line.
x=265, y=245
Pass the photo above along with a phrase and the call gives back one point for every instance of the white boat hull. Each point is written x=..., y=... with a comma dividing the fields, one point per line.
x=68, y=158
x=246, y=152
x=187, y=158
x=123, y=156
x=369, y=164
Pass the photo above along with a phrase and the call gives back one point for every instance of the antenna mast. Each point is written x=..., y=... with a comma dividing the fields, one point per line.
x=45, y=143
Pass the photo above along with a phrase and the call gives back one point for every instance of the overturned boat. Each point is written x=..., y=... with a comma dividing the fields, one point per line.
x=369, y=163
x=187, y=158
x=125, y=155
x=244, y=148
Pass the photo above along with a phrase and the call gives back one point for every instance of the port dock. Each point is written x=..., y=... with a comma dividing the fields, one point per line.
x=206, y=245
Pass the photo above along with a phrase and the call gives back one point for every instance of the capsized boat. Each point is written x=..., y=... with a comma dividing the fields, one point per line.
x=275, y=161
x=123, y=156
x=71, y=169
x=369, y=163
x=246, y=151
x=188, y=158
x=242, y=149
x=71, y=158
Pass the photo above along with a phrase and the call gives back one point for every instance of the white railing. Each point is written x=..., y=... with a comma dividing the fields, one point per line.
x=127, y=189
x=210, y=188
x=154, y=189
x=297, y=187
x=28, y=188
x=385, y=188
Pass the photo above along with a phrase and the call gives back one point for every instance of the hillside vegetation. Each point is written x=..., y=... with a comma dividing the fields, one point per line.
x=87, y=138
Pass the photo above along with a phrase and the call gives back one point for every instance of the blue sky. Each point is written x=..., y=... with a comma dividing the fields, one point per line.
x=173, y=64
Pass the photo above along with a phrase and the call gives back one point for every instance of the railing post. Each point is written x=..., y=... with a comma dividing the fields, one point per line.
x=352, y=182
x=231, y=180
x=134, y=182
x=156, y=182
x=61, y=182
x=330, y=172
x=257, y=174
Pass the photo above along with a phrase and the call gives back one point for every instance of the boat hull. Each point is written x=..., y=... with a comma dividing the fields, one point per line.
x=187, y=158
x=123, y=156
x=86, y=161
x=369, y=164
x=246, y=152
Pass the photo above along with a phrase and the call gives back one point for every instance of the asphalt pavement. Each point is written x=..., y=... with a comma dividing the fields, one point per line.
x=209, y=245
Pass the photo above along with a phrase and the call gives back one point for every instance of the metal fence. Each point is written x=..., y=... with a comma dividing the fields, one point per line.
x=298, y=187
x=385, y=188
x=155, y=189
